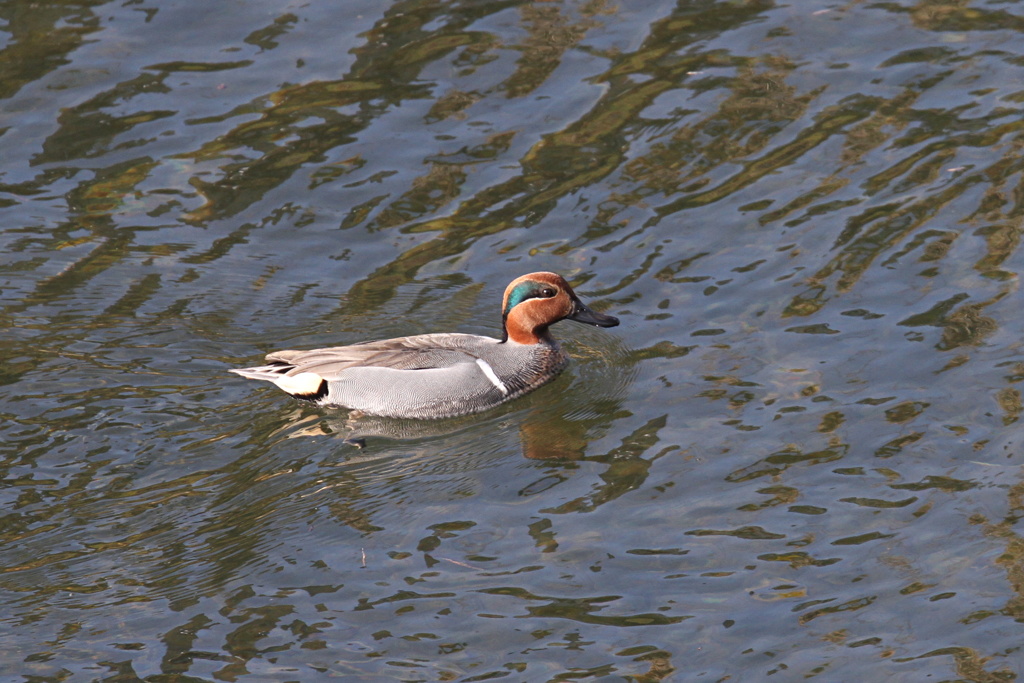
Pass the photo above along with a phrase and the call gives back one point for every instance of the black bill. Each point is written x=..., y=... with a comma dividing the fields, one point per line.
x=582, y=314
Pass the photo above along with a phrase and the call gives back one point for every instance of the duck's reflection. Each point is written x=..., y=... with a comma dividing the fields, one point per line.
x=543, y=436
x=546, y=431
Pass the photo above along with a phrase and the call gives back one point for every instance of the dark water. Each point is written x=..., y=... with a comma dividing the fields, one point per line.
x=799, y=456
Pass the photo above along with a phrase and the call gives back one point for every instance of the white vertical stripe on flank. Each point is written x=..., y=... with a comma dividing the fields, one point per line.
x=489, y=372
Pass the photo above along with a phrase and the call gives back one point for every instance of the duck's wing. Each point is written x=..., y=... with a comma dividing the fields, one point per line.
x=419, y=352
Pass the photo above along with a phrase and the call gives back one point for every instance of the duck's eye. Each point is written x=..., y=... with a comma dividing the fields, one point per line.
x=548, y=292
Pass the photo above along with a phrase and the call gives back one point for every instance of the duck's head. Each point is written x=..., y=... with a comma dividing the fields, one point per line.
x=535, y=301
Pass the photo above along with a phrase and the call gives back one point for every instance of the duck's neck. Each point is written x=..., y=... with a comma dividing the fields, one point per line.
x=522, y=334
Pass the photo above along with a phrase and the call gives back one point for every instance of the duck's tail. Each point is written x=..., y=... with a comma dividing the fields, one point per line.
x=307, y=386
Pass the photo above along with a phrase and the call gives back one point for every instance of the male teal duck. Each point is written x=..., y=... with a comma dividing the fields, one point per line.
x=430, y=376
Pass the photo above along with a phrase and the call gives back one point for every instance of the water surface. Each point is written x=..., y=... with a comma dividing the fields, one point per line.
x=798, y=457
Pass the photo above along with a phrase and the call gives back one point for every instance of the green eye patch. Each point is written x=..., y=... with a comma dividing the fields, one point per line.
x=522, y=292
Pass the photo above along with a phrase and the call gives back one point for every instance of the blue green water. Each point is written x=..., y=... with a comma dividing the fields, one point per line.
x=798, y=457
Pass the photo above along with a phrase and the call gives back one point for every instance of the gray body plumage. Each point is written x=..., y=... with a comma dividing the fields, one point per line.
x=430, y=376
x=424, y=376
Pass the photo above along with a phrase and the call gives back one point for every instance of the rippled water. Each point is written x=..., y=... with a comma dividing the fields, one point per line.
x=798, y=457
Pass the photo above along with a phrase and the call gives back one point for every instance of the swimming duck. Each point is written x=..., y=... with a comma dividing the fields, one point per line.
x=430, y=376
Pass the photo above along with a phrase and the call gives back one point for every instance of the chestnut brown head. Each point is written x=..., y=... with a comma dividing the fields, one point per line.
x=535, y=301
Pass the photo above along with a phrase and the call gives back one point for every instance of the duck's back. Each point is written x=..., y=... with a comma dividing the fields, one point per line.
x=401, y=353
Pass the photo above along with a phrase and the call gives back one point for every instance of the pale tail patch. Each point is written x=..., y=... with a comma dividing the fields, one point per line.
x=489, y=373
x=302, y=384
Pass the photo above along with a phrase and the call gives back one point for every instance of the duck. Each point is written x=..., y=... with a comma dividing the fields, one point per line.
x=440, y=375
